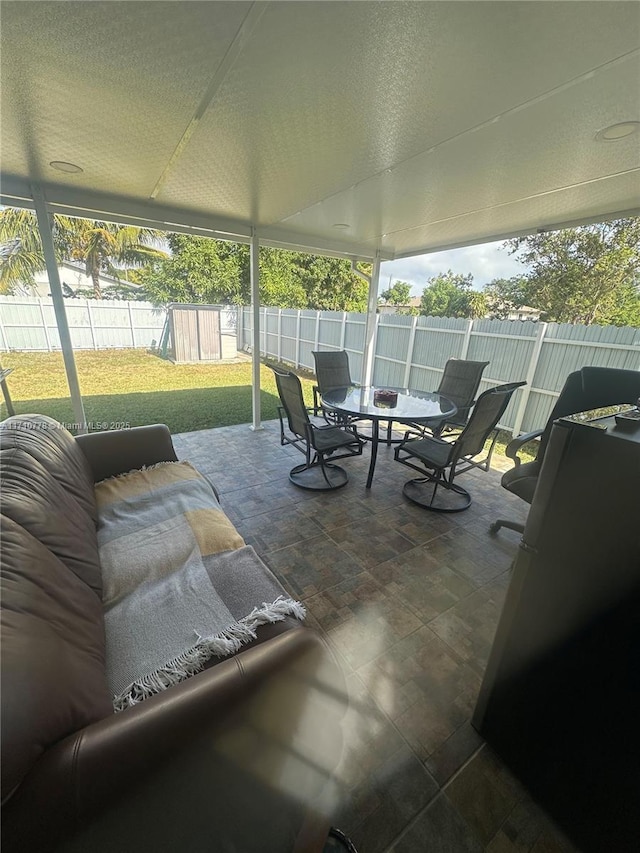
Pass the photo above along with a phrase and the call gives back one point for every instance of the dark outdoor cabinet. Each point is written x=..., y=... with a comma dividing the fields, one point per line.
x=560, y=699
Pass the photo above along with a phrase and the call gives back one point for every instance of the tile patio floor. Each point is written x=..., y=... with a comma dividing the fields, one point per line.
x=409, y=601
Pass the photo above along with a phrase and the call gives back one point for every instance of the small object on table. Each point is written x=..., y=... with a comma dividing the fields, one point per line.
x=385, y=399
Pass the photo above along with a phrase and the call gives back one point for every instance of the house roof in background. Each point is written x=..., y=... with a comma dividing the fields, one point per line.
x=335, y=126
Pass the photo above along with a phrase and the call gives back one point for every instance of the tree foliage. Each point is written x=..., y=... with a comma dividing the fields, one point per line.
x=451, y=295
x=397, y=293
x=217, y=272
x=583, y=275
x=101, y=246
x=502, y=295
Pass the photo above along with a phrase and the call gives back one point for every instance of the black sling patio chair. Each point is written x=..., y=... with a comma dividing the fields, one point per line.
x=332, y=371
x=583, y=390
x=321, y=444
x=460, y=382
x=440, y=461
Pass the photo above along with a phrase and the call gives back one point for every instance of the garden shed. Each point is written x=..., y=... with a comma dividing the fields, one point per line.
x=196, y=333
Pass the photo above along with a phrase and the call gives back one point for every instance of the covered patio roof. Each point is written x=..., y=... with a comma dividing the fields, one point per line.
x=366, y=130
x=339, y=127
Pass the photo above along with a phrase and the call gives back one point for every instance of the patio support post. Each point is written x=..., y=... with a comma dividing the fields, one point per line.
x=255, y=307
x=370, y=327
x=46, y=236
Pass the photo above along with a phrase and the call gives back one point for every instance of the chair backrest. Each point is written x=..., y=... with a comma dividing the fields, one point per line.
x=591, y=388
x=290, y=391
x=459, y=383
x=332, y=370
x=484, y=418
x=609, y=386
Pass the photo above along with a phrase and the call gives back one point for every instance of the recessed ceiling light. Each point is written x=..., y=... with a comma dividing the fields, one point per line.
x=618, y=131
x=341, y=226
x=63, y=166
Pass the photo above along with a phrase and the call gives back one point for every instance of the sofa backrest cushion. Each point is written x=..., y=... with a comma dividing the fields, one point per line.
x=37, y=502
x=53, y=652
x=57, y=450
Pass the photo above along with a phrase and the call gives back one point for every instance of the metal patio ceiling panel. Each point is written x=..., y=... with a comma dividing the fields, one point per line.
x=500, y=167
x=109, y=86
x=326, y=95
x=290, y=115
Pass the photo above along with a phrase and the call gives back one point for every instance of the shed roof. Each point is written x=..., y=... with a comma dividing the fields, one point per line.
x=341, y=127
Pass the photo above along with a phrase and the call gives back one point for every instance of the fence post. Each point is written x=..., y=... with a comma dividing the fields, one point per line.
x=531, y=371
x=467, y=339
x=412, y=338
x=279, y=335
x=343, y=330
x=44, y=325
x=133, y=334
x=5, y=342
x=317, y=344
x=93, y=331
x=239, y=328
x=298, y=338
x=264, y=333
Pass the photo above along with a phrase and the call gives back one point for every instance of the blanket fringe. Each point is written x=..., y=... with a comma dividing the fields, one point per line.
x=220, y=645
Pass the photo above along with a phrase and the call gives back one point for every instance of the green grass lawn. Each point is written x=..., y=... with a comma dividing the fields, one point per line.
x=134, y=387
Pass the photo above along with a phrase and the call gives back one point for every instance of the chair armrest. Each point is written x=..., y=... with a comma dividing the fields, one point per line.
x=119, y=451
x=415, y=431
x=317, y=401
x=516, y=444
x=189, y=736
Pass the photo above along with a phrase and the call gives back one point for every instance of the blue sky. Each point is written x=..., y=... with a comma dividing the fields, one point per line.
x=484, y=262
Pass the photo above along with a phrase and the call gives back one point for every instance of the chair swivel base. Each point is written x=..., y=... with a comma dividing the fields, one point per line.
x=510, y=525
x=436, y=495
x=319, y=478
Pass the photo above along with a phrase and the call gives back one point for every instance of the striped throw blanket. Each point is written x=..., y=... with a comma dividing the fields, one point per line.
x=180, y=586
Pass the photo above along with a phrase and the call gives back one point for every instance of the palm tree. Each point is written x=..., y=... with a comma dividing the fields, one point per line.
x=102, y=247
x=478, y=305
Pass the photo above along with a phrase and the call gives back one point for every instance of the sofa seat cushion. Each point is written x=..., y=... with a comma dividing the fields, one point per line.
x=53, y=652
x=151, y=521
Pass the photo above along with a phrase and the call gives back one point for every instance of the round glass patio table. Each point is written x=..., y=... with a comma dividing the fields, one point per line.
x=411, y=407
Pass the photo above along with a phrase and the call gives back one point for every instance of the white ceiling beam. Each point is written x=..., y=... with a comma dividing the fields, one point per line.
x=298, y=241
x=89, y=205
x=16, y=192
x=508, y=235
x=233, y=51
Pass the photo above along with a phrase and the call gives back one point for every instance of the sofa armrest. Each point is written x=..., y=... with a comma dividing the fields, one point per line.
x=120, y=451
x=193, y=738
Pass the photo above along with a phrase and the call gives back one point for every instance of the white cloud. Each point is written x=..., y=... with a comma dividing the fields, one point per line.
x=484, y=262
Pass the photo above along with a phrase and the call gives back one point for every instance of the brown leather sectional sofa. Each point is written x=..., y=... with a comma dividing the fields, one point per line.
x=227, y=760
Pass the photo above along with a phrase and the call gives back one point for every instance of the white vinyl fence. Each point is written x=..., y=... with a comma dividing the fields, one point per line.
x=410, y=352
x=29, y=323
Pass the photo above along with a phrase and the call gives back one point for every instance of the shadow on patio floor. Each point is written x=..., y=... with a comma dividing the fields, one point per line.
x=409, y=602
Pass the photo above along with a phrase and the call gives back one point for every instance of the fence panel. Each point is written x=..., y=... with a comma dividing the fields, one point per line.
x=412, y=352
x=330, y=329
x=409, y=351
x=288, y=335
x=29, y=323
x=392, y=350
x=506, y=344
